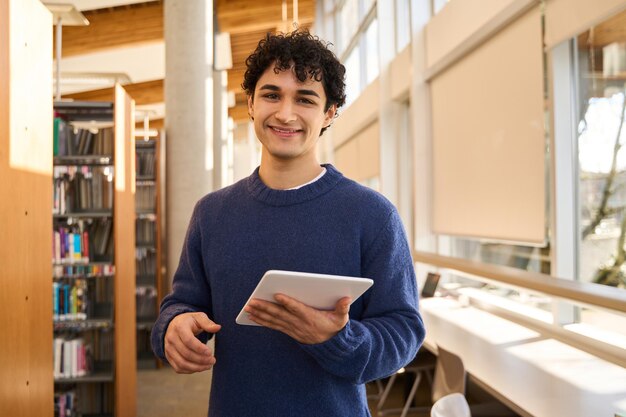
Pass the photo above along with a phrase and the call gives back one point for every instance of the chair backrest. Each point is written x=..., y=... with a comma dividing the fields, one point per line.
x=451, y=405
x=449, y=375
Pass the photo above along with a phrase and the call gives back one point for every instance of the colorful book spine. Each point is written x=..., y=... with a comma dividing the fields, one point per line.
x=77, y=253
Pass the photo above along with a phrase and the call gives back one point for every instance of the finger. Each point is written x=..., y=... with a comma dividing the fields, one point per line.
x=266, y=312
x=185, y=343
x=343, y=306
x=203, y=323
x=270, y=324
x=189, y=353
x=291, y=304
x=257, y=307
x=273, y=316
x=184, y=365
x=187, y=338
x=194, y=353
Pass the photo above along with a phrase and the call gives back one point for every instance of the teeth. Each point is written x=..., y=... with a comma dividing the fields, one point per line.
x=284, y=130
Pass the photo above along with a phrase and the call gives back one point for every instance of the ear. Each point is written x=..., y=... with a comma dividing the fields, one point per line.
x=330, y=115
x=251, y=107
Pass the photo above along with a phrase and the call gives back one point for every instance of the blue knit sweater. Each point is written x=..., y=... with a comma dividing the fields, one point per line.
x=332, y=226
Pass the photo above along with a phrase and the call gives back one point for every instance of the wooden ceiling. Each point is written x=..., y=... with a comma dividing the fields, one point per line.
x=115, y=27
x=247, y=21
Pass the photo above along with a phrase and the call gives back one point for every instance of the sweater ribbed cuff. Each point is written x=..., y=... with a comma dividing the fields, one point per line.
x=337, y=348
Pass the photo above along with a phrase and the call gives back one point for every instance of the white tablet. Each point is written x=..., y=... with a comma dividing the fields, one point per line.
x=319, y=291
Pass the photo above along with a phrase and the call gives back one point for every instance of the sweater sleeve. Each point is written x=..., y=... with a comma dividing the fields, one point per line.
x=390, y=331
x=190, y=288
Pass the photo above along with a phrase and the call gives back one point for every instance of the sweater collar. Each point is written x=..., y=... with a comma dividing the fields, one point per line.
x=263, y=193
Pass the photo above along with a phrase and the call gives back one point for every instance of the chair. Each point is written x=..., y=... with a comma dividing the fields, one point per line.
x=422, y=366
x=450, y=375
x=449, y=378
x=451, y=405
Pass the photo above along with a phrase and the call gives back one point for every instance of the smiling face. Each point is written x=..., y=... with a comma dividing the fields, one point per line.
x=288, y=116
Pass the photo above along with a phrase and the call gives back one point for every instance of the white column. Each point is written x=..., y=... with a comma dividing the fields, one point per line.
x=424, y=240
x=189, y=122
x=220, y=128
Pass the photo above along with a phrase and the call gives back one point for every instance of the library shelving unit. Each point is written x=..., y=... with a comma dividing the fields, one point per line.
x=26, y=386
x=149, y=171
x=93, y=258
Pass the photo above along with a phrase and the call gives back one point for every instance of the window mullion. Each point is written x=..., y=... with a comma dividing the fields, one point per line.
x=565, y=217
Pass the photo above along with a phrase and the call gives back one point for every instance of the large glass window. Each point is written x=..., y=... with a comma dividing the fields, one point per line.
x=353, y=75
x=403, y=24
x=372, y=68
x=367, y=5
x=528, y=258
x=602, y=160
x=357, y=29
x=601, y=62
x=438, y=5
x=348, y=23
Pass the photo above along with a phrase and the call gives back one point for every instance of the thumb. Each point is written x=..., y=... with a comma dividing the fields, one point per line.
x=343, y=306
x=203, y=323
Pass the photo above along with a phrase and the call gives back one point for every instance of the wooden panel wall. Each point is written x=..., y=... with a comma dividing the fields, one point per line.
x=359, y=157
x=26, y=381
x=124, y=227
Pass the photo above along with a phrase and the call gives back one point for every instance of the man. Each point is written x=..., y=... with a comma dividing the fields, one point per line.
x=291, y=214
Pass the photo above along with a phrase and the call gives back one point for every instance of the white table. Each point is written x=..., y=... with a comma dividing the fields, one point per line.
x=533, y=374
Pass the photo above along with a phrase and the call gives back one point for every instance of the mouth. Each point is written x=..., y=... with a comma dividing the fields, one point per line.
x=285, y=132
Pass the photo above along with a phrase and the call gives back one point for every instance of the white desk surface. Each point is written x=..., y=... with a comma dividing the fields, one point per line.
x=533, y=374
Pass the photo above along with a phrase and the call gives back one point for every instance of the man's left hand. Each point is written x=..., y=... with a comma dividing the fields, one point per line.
x=303, y=323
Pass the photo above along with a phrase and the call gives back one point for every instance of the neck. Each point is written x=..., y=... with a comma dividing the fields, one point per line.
x=285, y=174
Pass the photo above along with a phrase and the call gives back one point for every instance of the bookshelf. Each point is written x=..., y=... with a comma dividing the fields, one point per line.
x=26, y=386
x=93, y=263
x=148, y=246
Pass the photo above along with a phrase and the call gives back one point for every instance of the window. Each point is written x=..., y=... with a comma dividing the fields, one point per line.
x=438, y=5
x=403, y=24
x=533, y=259
x=356, y=30
x=371, y=55
x=601, y=135
x=602, y=161
x=348, y=23
x=474, y=240
x=353, y=76
x=367, y=5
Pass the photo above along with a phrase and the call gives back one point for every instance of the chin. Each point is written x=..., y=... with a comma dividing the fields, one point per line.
x=284, y=155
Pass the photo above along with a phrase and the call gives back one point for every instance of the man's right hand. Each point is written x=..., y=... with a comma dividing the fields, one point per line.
x=183, y=350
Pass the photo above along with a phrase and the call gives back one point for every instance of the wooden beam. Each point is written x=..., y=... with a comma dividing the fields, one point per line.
x=114, y=27
x=240, y=16
x=147, y=92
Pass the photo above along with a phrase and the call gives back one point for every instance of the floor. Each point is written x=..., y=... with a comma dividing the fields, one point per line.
x=164, y=393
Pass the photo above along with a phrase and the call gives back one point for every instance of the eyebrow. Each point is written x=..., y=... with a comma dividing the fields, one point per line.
x=273, y=87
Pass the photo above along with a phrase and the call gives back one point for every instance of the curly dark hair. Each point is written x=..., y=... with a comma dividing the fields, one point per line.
x=310, y=58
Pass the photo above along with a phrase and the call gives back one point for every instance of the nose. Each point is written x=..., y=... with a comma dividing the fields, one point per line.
x=285, y=112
